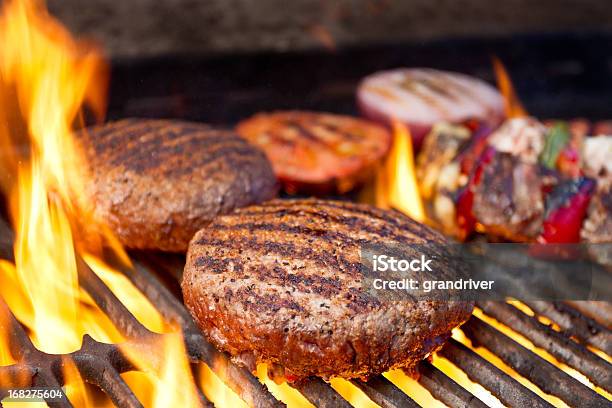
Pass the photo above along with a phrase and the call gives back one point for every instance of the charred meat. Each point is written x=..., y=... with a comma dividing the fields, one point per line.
x=281, y=283
x=508, y=200
x=156, y=182
x=523, y=182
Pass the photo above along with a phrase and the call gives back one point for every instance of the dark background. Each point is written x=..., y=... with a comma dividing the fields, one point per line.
x=222, y=60
x=158, y=27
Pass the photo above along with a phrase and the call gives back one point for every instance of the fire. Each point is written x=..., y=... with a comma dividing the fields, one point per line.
x=169, y=381
x=512, y=104
x=75, y=386
x=352, y=393
x=283, y=392
x=47, y=78
x=217, y=391
x=396, y=184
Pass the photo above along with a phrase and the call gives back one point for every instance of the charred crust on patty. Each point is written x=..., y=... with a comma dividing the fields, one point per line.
x=156, y=182
x=280, y=283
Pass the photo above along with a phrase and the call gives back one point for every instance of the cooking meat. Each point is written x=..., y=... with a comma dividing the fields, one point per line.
x=508, y=200
x=521, y=137
x=522, y=182
x=317, y=152
x=597, y=228
x=422, y=97
x=281, y=283
x=157, y=182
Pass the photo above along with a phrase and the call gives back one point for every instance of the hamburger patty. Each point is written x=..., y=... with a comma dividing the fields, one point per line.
x=317, y=152
x=281, y=283
x=156, y=182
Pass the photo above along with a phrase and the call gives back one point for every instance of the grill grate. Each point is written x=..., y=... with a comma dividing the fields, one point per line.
x=101, y=364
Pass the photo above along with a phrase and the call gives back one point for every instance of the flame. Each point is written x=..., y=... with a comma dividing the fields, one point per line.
x=355, y=396
x=411, y=387
x=170, y=382
x=131, y=297
x=512, y=105
x=396, y=184
x=290, y=396
x=217, y=391
x=47, y=79
x=75, y=386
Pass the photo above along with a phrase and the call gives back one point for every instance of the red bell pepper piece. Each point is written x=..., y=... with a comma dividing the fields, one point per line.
x=567, y=206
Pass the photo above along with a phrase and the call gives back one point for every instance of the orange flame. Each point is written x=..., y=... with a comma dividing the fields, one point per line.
x=217, y=391
x=396, y=184
x=170, y=382
x=512, y=105
x=283, y=392
x=76, y=390
x=46, y=79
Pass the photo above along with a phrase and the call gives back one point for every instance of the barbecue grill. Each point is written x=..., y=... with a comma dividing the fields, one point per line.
x=558, y=76
x=101, y=364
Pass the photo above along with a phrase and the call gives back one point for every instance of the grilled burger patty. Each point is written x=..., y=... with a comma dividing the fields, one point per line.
x=157, y=182
x=317, y=152
x=281, y=283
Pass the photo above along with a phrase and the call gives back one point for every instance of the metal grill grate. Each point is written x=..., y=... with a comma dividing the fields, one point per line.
x=101, y=364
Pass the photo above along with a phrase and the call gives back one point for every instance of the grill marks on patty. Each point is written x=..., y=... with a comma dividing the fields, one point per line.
x=299, y=238
x=146, y=145
x=156, y=182
x=282, y=282
x=334, y=224
x=290, y=266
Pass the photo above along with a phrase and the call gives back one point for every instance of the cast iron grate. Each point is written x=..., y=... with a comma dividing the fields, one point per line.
x=101, y=364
